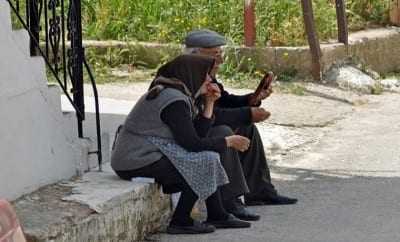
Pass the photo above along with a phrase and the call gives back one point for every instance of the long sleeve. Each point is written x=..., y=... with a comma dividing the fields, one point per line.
x=233, y=117
x=177, y=117
x=228, y=100
x=202, y=125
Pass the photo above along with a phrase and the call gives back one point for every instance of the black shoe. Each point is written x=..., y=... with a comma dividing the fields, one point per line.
x=196, y=228
x=272, y=200
x=238, y=209
x=230, y=223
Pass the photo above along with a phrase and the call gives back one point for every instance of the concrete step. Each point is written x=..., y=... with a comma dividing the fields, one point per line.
x=112, y=114
x=69, y=123
x=55, y=95
x=96, y=207
x=54, y=99
x=5, y=16
x=27, y=73
x=37, y=67
x=21, y=40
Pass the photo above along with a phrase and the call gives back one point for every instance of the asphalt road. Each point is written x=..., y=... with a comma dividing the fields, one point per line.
x=347, y=178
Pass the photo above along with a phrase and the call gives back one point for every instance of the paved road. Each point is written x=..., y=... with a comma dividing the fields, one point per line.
x=346, y=176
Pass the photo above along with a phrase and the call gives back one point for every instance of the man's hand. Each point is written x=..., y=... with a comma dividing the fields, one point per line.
x=255, y=101
x=259, y=114
x=238, y=142
x=265, y=93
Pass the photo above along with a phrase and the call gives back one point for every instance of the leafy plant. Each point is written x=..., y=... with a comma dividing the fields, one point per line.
x=279, y=22
x=377, y=89
x=287, y=75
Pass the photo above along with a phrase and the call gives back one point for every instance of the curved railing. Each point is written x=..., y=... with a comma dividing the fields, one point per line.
x=55, y=31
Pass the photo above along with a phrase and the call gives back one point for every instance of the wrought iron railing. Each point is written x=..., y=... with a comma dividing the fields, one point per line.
x=55, y=31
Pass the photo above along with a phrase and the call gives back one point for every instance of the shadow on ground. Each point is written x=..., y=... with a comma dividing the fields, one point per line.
x=332, y=207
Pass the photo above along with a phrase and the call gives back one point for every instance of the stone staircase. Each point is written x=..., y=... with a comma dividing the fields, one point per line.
x=95, y=207
x=41, y=156
x=38, y=143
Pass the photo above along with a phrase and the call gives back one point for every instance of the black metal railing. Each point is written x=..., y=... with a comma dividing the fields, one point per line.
x=55, y=30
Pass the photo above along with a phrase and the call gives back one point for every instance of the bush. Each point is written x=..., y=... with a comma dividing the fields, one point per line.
x=279, y=22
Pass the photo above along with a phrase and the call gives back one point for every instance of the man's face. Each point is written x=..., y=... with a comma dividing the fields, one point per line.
x=215, y=52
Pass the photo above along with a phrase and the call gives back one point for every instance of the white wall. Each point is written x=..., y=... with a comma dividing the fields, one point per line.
x=112, y=114
x=37, y=144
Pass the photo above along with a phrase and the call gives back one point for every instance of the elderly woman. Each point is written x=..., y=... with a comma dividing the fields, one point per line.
x=164, y=137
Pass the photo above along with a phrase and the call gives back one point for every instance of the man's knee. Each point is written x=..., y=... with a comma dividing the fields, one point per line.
x=249, y=131
x=221, y=130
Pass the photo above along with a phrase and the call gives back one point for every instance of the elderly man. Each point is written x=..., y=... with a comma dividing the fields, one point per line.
x=236, y=112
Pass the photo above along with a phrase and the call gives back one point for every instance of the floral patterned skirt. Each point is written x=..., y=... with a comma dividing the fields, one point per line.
x=203, y=170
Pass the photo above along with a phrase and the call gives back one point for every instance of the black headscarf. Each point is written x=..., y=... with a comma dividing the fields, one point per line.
x=185, y=73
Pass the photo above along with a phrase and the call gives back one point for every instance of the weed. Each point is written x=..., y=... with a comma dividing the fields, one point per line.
x=377, y=89
x=290, y=88
x=287, y=75
x=279, y=22
x=393, y=74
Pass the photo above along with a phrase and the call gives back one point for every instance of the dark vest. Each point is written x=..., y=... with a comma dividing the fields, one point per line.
x=132, y=150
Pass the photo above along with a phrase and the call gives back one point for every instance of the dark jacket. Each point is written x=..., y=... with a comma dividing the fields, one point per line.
x=232, y=110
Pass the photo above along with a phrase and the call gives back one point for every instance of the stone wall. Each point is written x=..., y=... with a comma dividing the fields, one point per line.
x=379, y=49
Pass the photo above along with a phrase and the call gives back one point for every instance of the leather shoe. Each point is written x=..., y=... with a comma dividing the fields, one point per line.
x=241, y=212
x=229, y=223
x=274, y=200
x=196, y=228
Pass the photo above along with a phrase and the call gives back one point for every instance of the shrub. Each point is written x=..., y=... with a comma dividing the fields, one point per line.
x=279, y=22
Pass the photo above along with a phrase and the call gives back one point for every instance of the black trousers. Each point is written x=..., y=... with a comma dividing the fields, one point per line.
x=230, y=160
x=255, y=165
x=248, y=171
x=164, y=172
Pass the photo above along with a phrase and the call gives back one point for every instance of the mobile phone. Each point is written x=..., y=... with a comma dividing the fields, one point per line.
x=264, y=84
x=268, y=77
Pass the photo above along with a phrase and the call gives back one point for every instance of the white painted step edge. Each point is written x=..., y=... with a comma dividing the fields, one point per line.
x=21, y=40
x=5, y=15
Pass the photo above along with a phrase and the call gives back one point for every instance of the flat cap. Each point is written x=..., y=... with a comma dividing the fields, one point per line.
x=204, y=38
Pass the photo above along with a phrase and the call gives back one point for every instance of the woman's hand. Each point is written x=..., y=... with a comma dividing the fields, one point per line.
x=213, y=93
x=237, y=142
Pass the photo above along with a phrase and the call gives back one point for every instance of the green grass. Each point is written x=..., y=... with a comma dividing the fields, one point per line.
x=395, y=75
x=295, y=88
x=377, y=89
x=279, y=22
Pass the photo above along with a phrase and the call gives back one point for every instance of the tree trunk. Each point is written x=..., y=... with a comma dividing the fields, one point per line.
x=249, y=23
x=312, y=37
x=395, y=12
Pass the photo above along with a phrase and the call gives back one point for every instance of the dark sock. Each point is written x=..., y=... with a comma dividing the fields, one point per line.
x=215, y=209
x=181, y=216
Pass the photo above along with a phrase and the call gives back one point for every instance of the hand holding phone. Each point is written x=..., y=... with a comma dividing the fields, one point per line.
x=264, y=84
